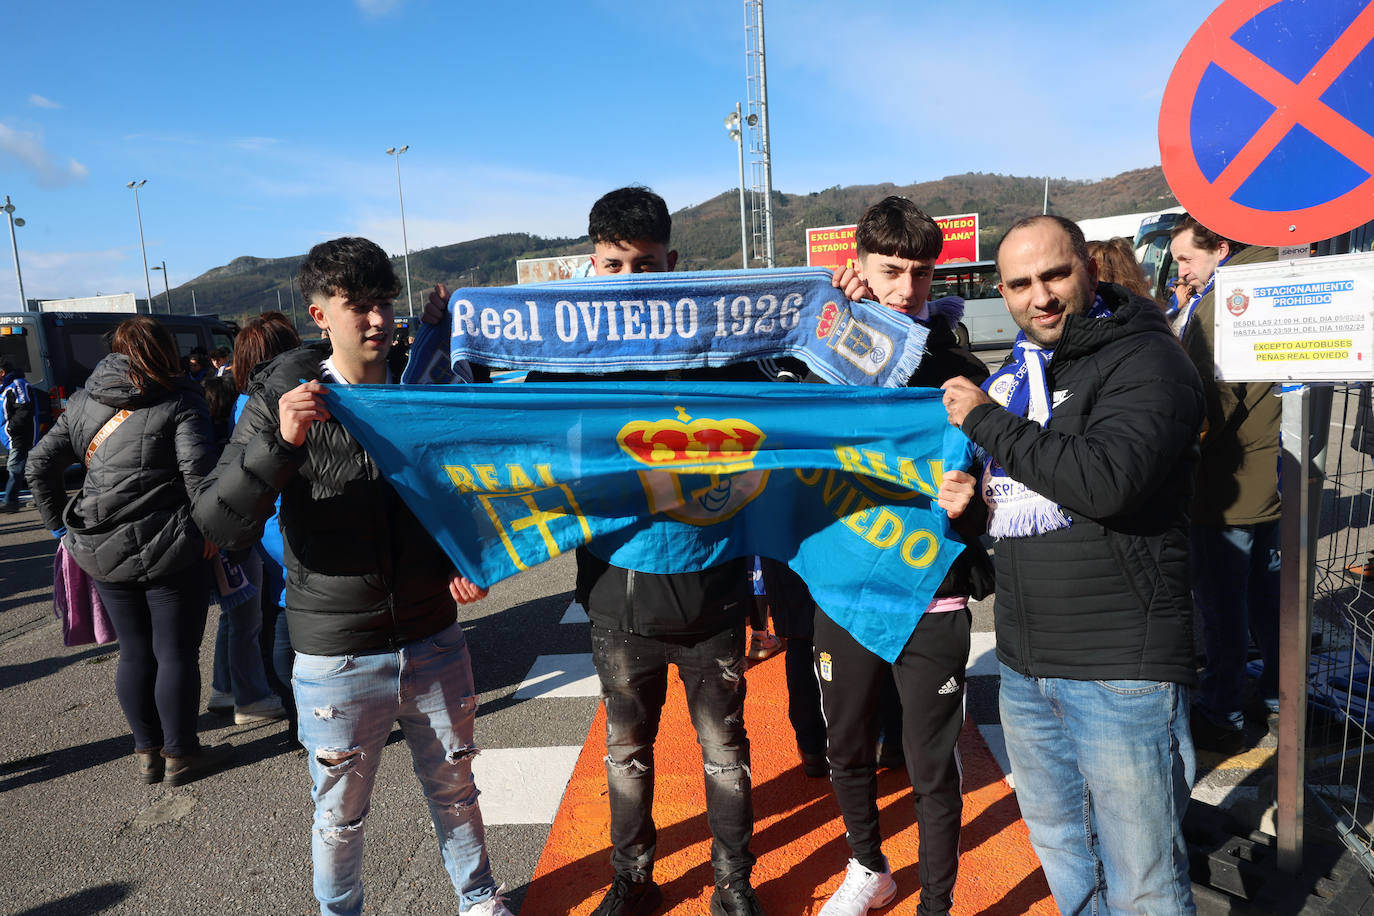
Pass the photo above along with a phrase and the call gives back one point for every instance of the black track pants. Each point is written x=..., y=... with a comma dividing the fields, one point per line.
x=930, y=682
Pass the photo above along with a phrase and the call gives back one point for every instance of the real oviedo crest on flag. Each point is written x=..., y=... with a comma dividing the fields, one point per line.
x=701, y=470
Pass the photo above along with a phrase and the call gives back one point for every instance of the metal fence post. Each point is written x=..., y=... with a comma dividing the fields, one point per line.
x=1301, y=501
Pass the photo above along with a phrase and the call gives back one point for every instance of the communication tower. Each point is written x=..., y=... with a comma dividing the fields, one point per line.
x=761, y=165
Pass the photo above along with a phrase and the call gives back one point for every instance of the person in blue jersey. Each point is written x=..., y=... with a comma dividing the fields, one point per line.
x=20, y=419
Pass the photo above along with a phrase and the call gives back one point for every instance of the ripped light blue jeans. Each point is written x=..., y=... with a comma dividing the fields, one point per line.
x=347, y=705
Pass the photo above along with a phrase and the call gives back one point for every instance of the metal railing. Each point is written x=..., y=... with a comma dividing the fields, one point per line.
x=1339, y=736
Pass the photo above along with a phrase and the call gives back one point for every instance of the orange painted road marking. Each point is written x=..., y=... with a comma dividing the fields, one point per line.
x=798, y=835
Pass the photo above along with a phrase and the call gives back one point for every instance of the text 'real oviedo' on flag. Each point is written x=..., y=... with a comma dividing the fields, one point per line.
x=697, y=319
x=836, y=481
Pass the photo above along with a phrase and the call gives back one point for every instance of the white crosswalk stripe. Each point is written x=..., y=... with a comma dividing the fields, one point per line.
x=523, y=785
x=560, y=676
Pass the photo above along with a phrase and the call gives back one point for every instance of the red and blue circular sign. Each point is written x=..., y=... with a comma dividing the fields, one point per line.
x=1266, y=132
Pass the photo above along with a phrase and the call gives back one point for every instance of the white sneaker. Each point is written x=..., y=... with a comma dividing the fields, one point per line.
x=264, y=710
x=861, y=891
x=495, y=905
x=221, y=703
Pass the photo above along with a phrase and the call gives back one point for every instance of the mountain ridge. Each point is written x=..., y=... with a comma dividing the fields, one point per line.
x=706, y=234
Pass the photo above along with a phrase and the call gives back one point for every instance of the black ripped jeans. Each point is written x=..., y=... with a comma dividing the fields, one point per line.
x=634, y=682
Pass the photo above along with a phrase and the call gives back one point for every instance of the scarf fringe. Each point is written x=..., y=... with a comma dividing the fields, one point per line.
x=1031, y=517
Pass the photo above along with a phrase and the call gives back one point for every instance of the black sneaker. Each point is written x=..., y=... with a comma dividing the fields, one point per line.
x=628, y=897
x=1213, y=738
x=736, y=899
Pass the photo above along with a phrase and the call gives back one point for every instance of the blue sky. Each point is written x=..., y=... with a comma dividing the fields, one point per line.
x=261, y=127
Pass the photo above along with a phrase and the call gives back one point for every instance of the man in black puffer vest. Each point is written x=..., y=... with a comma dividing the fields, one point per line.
x=1090, y=477
x=369, y=594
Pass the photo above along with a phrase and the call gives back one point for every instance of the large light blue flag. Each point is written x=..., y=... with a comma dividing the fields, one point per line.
x=672, y=477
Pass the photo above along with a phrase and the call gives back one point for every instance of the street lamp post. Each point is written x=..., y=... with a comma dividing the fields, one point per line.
x=166, y=286
x=734, y=128
x=147, y=281
x=14, y=244
x=405, y=244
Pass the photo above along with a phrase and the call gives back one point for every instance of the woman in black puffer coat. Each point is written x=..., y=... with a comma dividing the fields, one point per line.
x=130, y=529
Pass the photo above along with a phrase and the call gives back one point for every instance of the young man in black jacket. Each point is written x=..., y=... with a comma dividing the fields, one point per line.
x=644, y=622
x=1092, y=438
x=898, y=246
x=369, y=596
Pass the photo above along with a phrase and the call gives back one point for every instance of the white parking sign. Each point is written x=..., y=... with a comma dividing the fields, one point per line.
x=1296, y=321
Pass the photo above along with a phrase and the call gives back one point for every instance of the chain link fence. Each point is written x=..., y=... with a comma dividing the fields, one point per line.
x=1340, y=725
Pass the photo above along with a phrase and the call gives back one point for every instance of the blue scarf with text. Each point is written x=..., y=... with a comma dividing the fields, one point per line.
x=650, y=321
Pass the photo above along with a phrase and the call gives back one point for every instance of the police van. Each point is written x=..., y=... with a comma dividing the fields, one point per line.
x=58, y=350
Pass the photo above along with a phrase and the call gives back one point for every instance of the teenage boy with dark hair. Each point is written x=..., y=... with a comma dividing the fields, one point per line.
x=370, y=595
x=630, y=230
x=644, y=622
x=898, y=246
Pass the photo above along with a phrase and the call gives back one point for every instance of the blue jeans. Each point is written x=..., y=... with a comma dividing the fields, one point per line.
x=1103, y=774
x=348, y=704
x=238, y=667
x=1236, y=589
x=14, y=466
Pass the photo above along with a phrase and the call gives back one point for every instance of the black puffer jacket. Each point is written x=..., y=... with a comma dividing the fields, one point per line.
x=1108, y=597
x=362, y=572
x=131, y=522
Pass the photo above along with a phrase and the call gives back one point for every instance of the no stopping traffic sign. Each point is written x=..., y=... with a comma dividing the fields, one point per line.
x=1266, y=131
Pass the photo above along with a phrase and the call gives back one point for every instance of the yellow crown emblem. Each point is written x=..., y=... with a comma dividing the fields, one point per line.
x=704, y=445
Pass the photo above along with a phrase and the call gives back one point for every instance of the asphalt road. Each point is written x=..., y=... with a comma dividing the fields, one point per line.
x=82, y=835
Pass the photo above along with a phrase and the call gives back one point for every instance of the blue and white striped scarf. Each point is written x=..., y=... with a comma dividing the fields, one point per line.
x=660, y=321
x=1015, y=510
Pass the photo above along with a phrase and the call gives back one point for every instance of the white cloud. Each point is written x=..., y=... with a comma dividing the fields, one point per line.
x=38, y=101
x=48, y=171
x=62, y=274
x=376, y=7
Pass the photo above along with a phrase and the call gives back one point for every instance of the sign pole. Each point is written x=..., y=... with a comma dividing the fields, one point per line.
x=1300, y=504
